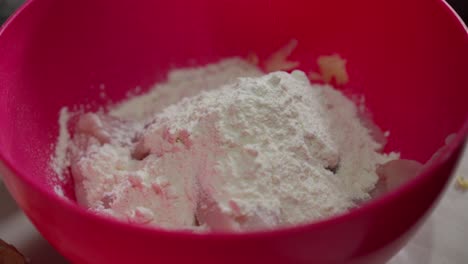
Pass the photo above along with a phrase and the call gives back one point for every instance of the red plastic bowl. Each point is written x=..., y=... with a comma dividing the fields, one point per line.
x=409, y=59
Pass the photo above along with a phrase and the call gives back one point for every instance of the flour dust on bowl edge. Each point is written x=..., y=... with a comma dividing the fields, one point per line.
x=54, y=53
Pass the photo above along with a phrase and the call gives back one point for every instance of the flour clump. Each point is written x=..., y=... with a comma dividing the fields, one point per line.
x=249, y=152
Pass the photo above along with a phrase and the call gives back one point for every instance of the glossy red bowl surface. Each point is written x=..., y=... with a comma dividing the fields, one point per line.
x=409, y=58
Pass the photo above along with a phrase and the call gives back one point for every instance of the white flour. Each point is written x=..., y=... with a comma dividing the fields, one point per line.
x=184, y=83
x=60, y=160
x=251, y=153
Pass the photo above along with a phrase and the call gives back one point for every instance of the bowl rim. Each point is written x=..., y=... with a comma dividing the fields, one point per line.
x=72, y=207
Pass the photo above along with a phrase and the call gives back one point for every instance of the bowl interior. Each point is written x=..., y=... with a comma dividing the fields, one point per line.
x=410, y=67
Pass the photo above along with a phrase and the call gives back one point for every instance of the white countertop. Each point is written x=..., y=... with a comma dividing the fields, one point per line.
x=441, y=240
x=443, y=237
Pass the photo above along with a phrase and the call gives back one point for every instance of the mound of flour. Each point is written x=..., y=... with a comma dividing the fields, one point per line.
x=210, y=150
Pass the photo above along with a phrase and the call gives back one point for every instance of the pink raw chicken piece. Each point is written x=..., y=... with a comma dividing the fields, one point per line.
x=395, y=173
x=91, y=124
x=105, y=128
x=219, y=211
x=156, y=190
x=215, y=209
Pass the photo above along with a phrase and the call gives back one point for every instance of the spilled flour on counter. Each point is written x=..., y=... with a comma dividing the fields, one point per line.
x=225, y=148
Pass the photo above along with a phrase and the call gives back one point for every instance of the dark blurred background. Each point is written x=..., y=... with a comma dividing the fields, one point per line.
x=461, y=6
x=8, y=6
